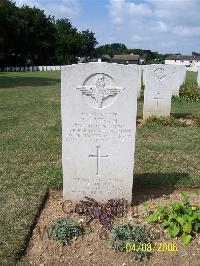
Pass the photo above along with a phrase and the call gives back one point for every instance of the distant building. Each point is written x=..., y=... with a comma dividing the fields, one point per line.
x=186, y=60
x=121, y=59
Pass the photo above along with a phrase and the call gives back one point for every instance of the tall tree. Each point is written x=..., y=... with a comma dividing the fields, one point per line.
x=111, y=49
x=36, y=36
x=67, y=42
x=8, y=20
x=88, y=43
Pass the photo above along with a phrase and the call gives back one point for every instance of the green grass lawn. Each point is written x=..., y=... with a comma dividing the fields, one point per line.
x=30, y=152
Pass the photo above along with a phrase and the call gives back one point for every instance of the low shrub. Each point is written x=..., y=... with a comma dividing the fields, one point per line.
x=180, y=219
x=63, y=230
x=131, y=239
x=103, y=212
x=176, y=99
x=165, y=121
x=190, y=93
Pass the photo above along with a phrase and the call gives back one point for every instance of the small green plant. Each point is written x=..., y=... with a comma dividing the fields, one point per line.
x=63, y=230
x=146, y=207
x=190, y=92
x=176, y=99
x=166, y=197
x=104, y=212
x=180, y=219
x=125, y=234
x=198, y=192
x=165, y=121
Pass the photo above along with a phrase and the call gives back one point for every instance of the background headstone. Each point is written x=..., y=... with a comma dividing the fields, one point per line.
x=58, y=68
x=198, y=77
x=143, y=74
x=35, y=68
x=139, y=81
x=183, y=73
x=98, y=105
x=179, y=73
x=158, y=90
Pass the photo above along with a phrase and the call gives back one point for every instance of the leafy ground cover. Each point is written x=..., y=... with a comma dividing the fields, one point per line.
x=125, y=243
x=30, y=153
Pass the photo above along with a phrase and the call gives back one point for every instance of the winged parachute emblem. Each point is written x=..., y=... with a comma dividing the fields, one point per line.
x=99, y=92
x=160, y=74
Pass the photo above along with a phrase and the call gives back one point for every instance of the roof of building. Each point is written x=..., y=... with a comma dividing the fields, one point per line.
x=183, y=57
x=125, y=57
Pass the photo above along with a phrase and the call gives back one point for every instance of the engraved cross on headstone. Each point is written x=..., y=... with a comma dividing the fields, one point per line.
x=98, y=156
x=158, y=98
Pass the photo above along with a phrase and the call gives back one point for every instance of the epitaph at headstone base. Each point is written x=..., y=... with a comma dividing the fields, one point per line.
x=99, y=102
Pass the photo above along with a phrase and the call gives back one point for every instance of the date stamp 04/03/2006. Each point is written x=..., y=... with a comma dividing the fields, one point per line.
x=149, y=247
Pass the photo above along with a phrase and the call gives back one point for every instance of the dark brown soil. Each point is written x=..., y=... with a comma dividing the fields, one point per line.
x=93, y=248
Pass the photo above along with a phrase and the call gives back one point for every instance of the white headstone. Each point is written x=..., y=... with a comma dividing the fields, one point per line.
x=183, y=73
x=198, y=77
x=179, y=73
x=35, y=68
x=48, y=68
x=143, y=74
x=58, y=68
x=158, y=90
x=98, y=103
x=139, y=82
x=40, y=68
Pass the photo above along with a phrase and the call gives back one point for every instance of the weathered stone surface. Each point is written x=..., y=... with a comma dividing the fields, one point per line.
x=179, y=73
x=99, y=102
x=198, y=77
x=158, y=90
x=139, y=82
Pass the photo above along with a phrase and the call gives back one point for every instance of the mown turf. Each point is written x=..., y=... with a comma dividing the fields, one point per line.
x=30, y=152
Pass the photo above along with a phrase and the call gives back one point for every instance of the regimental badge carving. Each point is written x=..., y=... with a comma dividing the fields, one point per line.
x=99, y=91
x=160, y=74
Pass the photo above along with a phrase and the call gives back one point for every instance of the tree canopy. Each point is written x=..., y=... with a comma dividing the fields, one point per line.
x=28, y=36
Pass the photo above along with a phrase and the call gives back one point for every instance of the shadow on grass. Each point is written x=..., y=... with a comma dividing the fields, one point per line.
x=16, y=81
x=154, y=185
x=182, y=115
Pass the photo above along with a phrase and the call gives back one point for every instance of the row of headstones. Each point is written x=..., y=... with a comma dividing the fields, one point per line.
x=30, y=68
x=98, y=110
x=161, y=83
x=178, y=77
